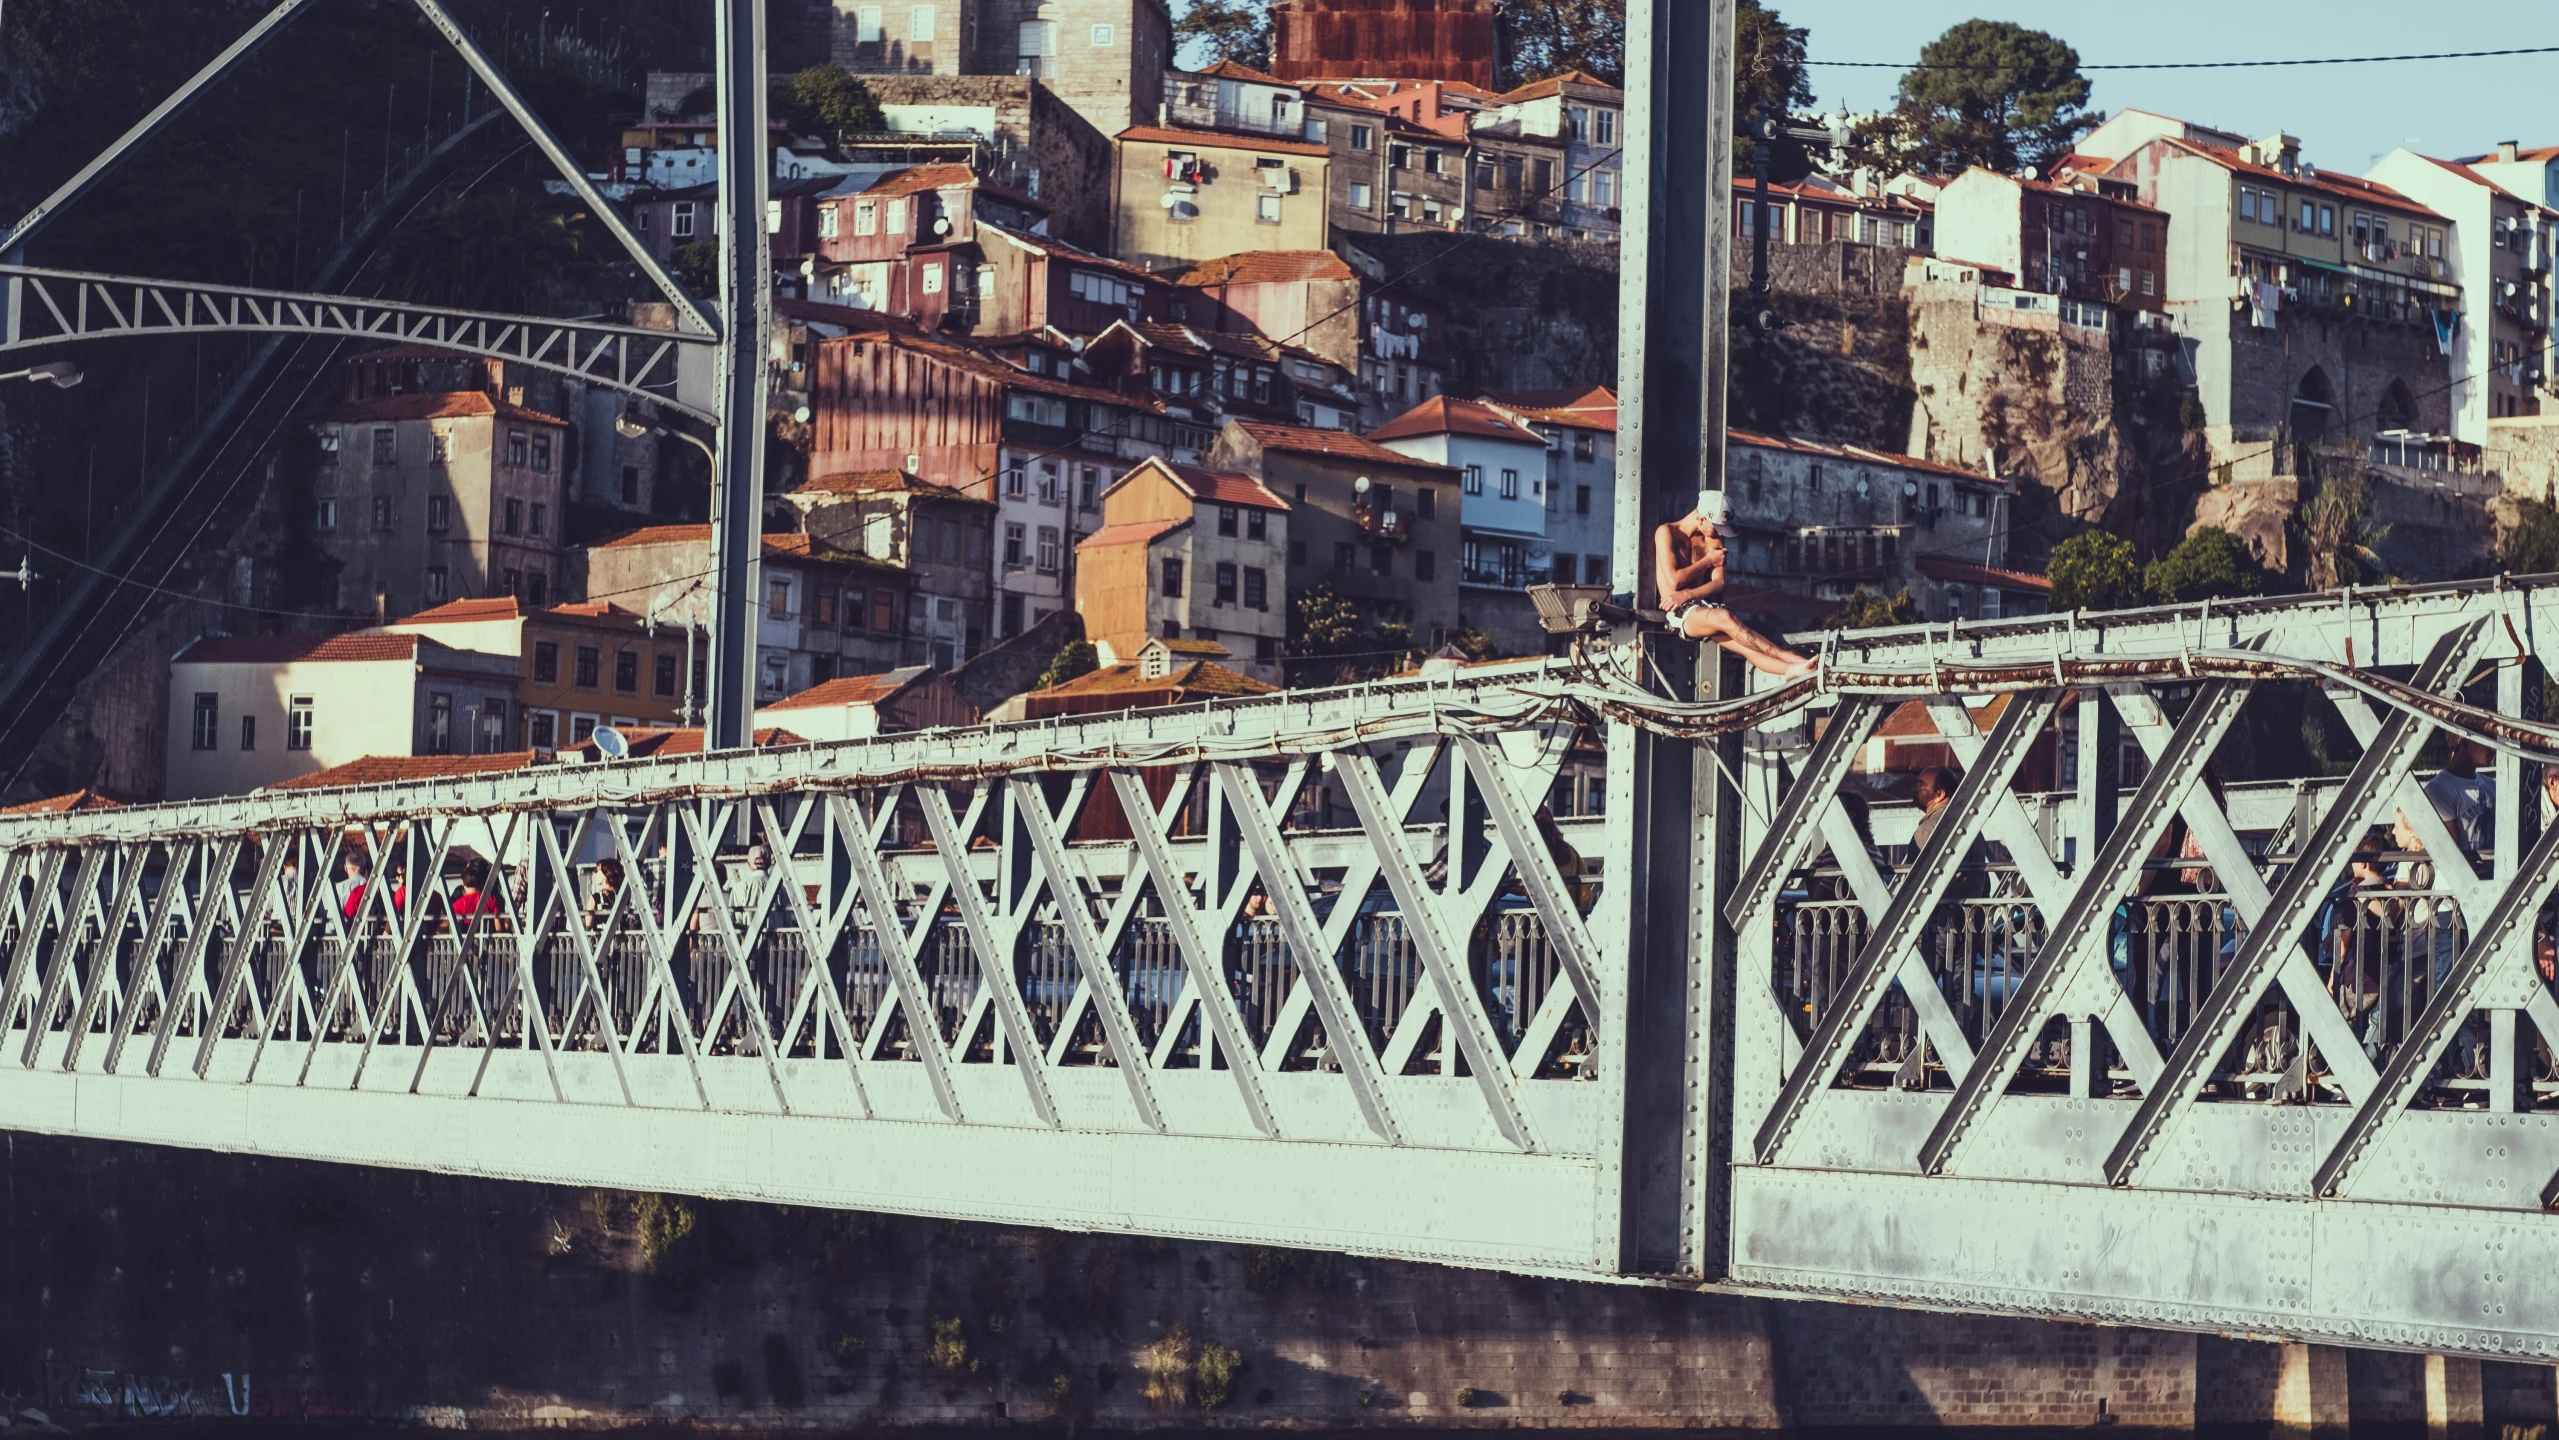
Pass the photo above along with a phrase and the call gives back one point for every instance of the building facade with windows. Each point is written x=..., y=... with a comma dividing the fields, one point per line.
x=2499, y=253
x=580, y=664
x=2089, y=239
x=1188, y=553
x=2320, y=309
x=1587, y=117
x=1183, y=196
x=424, y=498
x=252, y=710
x=1579, y=426
x=1821, y=523
x=820, y=612
x=938, y=539
x=1501, y=542
x=1401, y=571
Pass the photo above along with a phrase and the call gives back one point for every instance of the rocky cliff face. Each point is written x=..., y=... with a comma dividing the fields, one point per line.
x=1532, y=316
x=2068, y=412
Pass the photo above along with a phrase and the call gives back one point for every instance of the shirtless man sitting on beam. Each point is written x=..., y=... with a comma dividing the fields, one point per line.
x=1688, y=565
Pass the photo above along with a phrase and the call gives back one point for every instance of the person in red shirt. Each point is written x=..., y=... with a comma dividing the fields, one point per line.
x=473, y=898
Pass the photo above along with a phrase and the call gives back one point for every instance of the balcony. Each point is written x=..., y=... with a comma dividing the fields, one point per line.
x=1390, y=527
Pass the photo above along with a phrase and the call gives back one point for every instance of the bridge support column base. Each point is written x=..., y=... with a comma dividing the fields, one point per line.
x=2454, y=1406
x=2310, y=1393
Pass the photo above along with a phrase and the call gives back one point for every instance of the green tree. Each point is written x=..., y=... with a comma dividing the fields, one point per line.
x=1533, y=39
x=2211, y=564
x=698, y=266
x=1867, y=610
x=1769, y=74
x=1323, y=623
x=1208, y=31
x=1476, y=644
x=833, y=99
x=2094, y=570
x=1988, y=93
x=503, y=250
x=2338, y=534
x=2529, y=544
x=1074, y=658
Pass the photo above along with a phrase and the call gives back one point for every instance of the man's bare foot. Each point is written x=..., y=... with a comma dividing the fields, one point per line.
x=1803, y=665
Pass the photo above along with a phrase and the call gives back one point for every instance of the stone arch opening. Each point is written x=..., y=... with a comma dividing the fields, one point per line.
x=2398, y=410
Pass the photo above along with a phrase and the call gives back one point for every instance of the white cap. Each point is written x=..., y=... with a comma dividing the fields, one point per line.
x=1711, y=509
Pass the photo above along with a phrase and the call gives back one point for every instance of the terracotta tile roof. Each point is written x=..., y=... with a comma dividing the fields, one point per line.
x=1259, y=267
x=590, y=610
x=786, y=544
x=401, y=769
x=1214, y=487
x=1136, y=532
x=1440, y=415
x=972, y=358
x=1592, y=407
x=1909, y=720
x=2537, y=154
x=1204, y=649
x=2346, y=187
x=304, y=649
x=1050, y=245
x=879, y=482
x=1229, y=70
x=1243, y=345
x=1343, y=443
x=464, y=612
x=1937, y=567
x=1553, y=85
x=917, y=178
x=63, y=804
x=452, y=405
x=850, y=690
x=1198, y=680
x=1221, y=139
x=1857, y=452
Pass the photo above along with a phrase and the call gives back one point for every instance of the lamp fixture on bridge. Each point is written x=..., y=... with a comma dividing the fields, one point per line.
x=61, y=374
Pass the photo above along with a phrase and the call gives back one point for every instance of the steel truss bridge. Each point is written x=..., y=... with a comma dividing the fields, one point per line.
x=1347, y=969
x=1323, y=969
x=46, y=309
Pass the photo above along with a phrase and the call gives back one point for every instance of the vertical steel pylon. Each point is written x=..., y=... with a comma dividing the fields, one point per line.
x=746, y=317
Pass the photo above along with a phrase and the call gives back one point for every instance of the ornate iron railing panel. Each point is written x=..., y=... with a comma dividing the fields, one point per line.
x=899, y=963
x=2272, y=1056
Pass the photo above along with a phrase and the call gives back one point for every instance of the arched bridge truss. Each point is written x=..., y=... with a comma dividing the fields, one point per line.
x=1350, y=969
x=43, y=309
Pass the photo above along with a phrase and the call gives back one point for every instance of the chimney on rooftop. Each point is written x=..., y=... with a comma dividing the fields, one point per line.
x=2276, y=152
x=2506, y=152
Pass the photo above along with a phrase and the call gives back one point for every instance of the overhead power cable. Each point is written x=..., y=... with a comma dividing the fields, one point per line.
x=2204, y=64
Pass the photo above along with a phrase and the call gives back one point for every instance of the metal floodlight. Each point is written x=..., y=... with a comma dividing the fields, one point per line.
x=632, y=427
x=1566, y=609
x=60, y=374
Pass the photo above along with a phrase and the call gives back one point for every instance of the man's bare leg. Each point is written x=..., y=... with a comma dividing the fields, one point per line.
x=1713, y=622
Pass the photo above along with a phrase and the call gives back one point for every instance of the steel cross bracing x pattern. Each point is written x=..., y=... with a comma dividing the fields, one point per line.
x=49, y=307
x=831, y=974
x=2169, y=1100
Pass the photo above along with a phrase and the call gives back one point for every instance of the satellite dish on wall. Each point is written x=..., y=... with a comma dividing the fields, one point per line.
x=942, y=225
x=609, y=742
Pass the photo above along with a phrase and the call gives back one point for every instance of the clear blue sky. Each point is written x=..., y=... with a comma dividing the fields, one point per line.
x=2346, y=115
